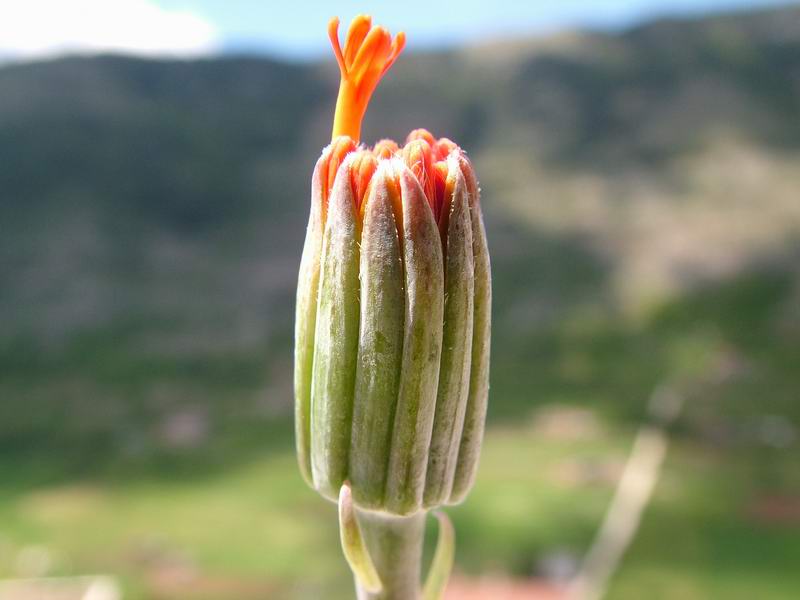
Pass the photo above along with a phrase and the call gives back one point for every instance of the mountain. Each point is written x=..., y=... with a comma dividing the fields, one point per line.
x=640, y=190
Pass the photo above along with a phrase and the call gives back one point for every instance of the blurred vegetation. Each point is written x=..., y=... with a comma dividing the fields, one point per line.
x=640, y=192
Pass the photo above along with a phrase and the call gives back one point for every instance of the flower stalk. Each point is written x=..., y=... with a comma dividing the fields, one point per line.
x=395, y=545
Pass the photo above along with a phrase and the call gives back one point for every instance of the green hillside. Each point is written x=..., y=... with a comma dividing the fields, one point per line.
x=641, y=197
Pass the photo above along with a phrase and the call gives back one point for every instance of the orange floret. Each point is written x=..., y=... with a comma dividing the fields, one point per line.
x=369, y=51
x=385, y=148
x=421, y=134
x=362, y=168
x=418, y=157
x=340, y=147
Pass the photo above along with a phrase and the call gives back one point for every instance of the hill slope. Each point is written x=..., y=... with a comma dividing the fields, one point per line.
x=153, y=211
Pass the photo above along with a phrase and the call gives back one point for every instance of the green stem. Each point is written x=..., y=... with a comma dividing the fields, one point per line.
x=395, y=546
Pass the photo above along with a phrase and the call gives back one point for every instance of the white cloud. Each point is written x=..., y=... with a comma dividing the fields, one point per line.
x=39, y=28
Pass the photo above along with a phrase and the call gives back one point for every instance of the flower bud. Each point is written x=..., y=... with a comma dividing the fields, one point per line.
x=393, y=328
x=393, y=312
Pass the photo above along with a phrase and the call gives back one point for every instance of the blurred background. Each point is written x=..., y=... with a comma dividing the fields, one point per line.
x=640, y=165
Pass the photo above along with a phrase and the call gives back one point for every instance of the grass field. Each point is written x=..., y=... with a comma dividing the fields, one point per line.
x=256, y=531
x=232, y=518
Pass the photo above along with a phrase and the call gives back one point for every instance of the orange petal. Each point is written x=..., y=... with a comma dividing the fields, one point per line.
x=359, y=27
x=341, y=147
x=422, y=134
x=418, y=158
x=333, y=35
x=385, y=148
x=362, y=168
x=443, y=148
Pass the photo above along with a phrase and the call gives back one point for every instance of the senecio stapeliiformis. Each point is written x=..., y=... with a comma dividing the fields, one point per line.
x=392, y=330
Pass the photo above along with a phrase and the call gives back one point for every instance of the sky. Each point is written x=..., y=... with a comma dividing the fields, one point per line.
x=296, y=29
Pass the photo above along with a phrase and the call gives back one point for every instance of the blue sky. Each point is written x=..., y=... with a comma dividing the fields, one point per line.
x=296, y=28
